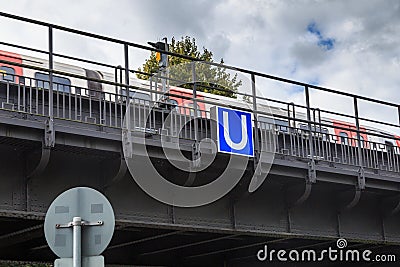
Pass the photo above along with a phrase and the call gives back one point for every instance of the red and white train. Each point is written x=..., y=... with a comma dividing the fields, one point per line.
x=66, y=84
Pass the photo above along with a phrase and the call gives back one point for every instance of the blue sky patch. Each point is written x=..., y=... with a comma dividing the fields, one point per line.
x=324, y=42
x=314, y=81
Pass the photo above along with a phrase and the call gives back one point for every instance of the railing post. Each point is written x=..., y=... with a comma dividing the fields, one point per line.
x=361, y=176
x=126, y=56
x=312, y=176
x=127, y=102
x=195, y=100
x=255, y=118
x=195, y=152
x=50, y=73
x=49, y=135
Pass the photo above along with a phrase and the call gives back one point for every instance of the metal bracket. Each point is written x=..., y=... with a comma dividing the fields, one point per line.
x=49, y=133
x=306, y=192
x=119, y=175
x=196, y=160
x=396, y=209
x=80, y=223
x=359, y=187
x=391, y=205
x=361, y=179
x=194, y=164
x=44, y=160
x=312, y=173
x=304, y=196
x=310, y=179
x=354, y=201
x=127, y=142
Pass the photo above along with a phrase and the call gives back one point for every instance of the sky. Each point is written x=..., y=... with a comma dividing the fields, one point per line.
x=352, y=46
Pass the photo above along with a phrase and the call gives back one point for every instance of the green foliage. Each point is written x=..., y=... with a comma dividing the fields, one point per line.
x=210, y=79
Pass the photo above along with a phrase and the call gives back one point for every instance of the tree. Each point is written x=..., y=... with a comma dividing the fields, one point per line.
x=210, y=79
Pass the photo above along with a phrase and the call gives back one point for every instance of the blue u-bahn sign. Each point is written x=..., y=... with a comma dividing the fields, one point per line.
x=234, y=132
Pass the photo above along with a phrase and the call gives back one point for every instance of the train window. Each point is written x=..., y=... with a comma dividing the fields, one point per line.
x=282, y=125
x=141, y=96
x=174, y=104
x=191, y=106
x=92, y=85
x=344, y=138
x=7, y=73
x=137, y=95
x=389, y=145
x=131, y=93
x=60, y=84
x=303, y=127
x=266, y=123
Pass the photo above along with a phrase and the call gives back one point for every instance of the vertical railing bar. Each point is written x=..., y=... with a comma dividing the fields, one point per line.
x=69, y=104
x=360, y=157
x=58, y=100
x=37, y=98
x=256, y=145
x=80, y=106
x=43, y=101
x=24, y=94
x=121, y=110
x=8, y=91
x=18, y=95
x=307, y=95
x=126, y=59
x=110, y=108
x=76, y=102
x=50, y=36
x=100, y=112
x=63, y=98
x=30, y=95
x=90, y=105
x=118, y=98
x=196, y=127
x=105, y=110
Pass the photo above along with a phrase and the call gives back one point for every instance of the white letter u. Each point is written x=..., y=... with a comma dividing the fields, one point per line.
x=242, y=144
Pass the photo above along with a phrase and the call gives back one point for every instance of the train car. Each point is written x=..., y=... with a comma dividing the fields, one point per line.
x=65, y=84
x=9, y=72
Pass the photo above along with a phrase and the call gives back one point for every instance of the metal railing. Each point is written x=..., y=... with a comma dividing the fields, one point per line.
x=108, y=109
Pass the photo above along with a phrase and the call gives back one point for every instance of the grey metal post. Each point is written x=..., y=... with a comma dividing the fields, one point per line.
x=166, y=70
x=126, y=70
x=196, y=148
x=76, y=242
x=128, y=98
x=311, y=172
x=361, y=176
x=357, y=127
x=50, y=73
x=256, y=141
x=195, y=101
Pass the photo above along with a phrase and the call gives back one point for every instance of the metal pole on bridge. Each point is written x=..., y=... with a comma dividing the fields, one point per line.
x=50, y=73
x=195, y=108
x=361, y=178
x=312, y=174
x=126, y=57
x=255, y=118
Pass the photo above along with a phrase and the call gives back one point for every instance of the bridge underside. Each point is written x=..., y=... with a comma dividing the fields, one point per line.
x=139, y=244
x=229, y=231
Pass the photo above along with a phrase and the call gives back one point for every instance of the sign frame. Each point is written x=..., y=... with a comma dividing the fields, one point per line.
x=250, y=136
